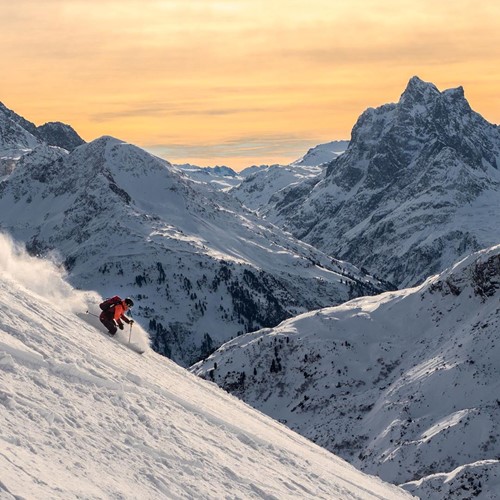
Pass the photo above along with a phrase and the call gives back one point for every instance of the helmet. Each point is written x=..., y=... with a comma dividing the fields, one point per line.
x=129, y=302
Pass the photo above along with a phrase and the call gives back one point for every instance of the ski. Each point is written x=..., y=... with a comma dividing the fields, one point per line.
x=133, y=347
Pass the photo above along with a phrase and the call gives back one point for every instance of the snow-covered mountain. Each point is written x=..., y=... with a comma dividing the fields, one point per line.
x=202, y=268
x=85, y=417
x=218, y=177
x=322, y=153
x=260, y=188
x=403, y=385
x=417, y=188
x=19, y=136
x=256, y=185
x=17, y=133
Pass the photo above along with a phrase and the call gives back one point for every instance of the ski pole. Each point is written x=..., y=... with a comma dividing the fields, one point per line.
x=130, y=333
x=92, y=314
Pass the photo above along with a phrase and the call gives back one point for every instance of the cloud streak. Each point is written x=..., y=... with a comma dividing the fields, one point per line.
x=247, y=147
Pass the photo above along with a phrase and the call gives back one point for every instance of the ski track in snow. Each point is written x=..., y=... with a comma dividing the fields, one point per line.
x=85, y=417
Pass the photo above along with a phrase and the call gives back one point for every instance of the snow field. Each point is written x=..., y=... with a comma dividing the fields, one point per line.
x=85, y=417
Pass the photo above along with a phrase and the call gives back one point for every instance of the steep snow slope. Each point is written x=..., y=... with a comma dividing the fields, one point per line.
x=201, y=268
x=415, y=191
x=84, y=417
x=403, y=385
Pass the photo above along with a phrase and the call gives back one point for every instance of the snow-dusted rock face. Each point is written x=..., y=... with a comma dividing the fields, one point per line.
x=18, y=136
x=60, y=135
x=417, y=188
x=266, y=186
x=403, y=385
x=201, y=268
x=477, y=480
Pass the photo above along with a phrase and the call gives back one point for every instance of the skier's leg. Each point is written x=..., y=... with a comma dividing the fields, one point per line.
x=108, y=321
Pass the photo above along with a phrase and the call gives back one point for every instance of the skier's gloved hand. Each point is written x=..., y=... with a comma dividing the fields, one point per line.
x=120, y=326
x=131, y=322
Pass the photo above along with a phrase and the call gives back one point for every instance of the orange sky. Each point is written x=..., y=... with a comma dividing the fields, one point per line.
x=238, y=82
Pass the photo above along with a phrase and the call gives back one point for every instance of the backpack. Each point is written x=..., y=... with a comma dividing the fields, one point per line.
x=111, y=302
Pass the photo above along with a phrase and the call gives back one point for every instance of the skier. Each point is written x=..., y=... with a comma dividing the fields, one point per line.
x=113, y=312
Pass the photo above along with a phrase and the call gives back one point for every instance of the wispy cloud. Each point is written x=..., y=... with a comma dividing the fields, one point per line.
x=270, y=147
x=164, y=110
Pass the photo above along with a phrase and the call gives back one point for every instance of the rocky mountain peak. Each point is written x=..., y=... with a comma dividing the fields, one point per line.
x=389, y=139
x=60, y=135
x=18, y=135
x=419, y=91
x=413, y=192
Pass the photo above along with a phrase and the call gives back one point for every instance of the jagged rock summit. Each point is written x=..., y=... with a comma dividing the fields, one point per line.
x=19, y=136
x=416, y=189
x=60, y=135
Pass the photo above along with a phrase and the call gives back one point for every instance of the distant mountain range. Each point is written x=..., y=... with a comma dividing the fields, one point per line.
x=255, y=185
x=223, y=178
x=404, y=385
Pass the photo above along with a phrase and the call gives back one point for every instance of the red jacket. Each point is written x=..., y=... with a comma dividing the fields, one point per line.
x=119, y=312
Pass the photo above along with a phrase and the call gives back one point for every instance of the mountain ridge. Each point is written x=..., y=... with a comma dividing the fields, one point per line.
x=123, y=219
x=52, y=133
x=402, y=385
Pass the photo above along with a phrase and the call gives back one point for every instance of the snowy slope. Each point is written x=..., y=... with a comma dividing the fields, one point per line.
x=84, y=417
x=403, y=385
x=415, y=191
x=201, y=267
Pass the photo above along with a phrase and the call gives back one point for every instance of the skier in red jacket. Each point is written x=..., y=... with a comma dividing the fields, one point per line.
x=113, y=312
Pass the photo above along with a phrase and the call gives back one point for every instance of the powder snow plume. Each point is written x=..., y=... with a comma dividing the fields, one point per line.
x=45, y=278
